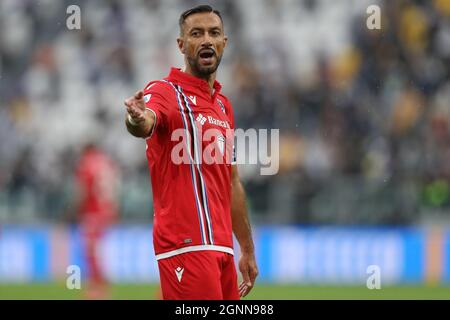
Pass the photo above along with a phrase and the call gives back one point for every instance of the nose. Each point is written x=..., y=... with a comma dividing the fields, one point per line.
x=206, y=41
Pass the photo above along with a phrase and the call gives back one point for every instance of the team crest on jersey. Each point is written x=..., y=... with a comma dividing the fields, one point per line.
x=147, y=97
x=221, y=143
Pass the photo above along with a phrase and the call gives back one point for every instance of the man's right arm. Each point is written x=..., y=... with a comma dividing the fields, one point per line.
x=139, y=120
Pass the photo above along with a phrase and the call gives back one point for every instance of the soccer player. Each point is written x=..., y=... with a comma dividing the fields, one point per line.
x=198, y=204
x=96, y=179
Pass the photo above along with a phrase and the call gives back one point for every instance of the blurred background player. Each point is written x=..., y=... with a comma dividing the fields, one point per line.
x=96, y=180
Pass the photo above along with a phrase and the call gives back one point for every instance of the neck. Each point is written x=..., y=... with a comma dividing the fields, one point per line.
x=210, y=78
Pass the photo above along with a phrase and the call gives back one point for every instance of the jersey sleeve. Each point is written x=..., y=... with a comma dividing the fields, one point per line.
x=156, y=97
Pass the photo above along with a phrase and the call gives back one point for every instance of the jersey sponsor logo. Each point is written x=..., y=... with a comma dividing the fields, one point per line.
x=223, y=124
x=179, y=272
x=147, y=97
x=193, y=99
x=201, y=119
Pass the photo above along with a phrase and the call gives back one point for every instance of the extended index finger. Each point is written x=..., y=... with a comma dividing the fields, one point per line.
x=129, y=101
x=139, y=94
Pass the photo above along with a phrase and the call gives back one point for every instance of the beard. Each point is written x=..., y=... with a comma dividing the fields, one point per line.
x=201, y=70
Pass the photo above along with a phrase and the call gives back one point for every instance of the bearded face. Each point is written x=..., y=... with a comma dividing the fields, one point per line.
x=202, y=42
x=205, y=62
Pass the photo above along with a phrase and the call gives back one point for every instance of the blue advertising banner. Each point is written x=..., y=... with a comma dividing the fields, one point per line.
x=286, y=254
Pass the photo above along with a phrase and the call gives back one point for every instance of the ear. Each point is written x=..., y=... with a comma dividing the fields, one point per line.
x=180, y=43
x=225, y=41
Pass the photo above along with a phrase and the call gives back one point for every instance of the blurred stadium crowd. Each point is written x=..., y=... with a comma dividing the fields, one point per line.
x=363, y=114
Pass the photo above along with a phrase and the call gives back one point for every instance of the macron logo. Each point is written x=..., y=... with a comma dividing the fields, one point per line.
x=179, y=272
x=193, y=99
x=201, y=119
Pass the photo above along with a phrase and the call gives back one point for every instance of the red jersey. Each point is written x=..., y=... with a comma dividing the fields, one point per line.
x=97, y=181
x=188, y=154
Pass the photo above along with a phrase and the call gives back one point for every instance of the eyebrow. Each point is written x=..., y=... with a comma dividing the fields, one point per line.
x=200, y=28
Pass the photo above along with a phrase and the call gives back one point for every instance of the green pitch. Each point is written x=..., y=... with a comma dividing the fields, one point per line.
x=132, y=292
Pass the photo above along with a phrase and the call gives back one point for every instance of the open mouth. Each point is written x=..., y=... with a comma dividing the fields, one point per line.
x=206, y=56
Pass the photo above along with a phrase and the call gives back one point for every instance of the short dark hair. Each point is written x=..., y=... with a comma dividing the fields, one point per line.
x=198, y=9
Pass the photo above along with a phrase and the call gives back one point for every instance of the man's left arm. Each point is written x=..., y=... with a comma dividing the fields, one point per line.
x=243, y=232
